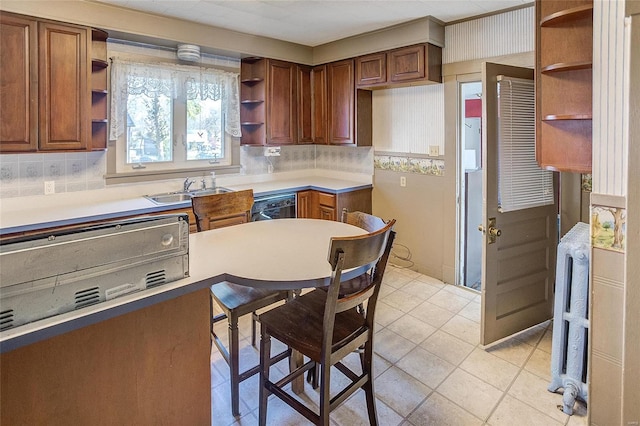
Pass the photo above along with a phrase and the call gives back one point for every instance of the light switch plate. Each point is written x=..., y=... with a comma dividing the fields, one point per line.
x=434, y=150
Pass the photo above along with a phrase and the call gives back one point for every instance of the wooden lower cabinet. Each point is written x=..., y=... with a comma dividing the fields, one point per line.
x=149, y=366
x=313, y=204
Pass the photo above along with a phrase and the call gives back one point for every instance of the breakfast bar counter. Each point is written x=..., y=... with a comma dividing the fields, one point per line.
x=144, y=358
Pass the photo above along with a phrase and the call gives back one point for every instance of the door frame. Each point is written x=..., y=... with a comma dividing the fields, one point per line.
x=460, y=198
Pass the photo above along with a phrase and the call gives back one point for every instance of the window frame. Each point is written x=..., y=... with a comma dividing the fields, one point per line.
x=120, y=172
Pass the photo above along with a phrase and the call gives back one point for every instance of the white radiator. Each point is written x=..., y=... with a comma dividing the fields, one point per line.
x=571, y=317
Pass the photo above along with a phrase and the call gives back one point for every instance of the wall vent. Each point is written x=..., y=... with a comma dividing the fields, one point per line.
x=87, y=297
x=156, y=278
x=6, y=319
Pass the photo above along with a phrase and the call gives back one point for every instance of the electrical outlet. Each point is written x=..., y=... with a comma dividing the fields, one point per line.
x=434, y=150
x=49, y=187
x=272, y=151
x=403, y=181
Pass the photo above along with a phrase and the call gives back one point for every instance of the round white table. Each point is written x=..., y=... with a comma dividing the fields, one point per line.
x=276, y=254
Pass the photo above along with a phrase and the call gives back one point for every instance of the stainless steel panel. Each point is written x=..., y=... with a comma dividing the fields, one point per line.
x=49, y=274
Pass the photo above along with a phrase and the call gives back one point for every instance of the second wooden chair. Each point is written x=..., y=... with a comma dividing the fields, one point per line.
x=235, y=301
x=326, y=328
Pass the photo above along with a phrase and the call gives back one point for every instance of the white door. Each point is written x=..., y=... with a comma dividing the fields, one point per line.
x=519, y=247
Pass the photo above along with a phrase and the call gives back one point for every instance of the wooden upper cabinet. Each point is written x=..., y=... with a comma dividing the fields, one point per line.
x=275, y=102
x=407, y=64
x=371, y=69
x=348, y=110
x=305, y=99
x=281, y=103
x=341, y=102
x=564, y=52
x=64, y=72
x=412, y=65
x=18, y=83
x=319, y=105
x=47, y=102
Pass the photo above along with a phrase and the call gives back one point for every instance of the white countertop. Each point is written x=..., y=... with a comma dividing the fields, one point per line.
x=38, y=212
x=256, y=253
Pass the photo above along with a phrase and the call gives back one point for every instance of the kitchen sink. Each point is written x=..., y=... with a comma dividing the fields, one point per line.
x=181, y=197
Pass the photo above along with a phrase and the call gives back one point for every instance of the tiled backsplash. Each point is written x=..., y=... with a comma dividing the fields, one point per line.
x=344, y=159
x=24, y=174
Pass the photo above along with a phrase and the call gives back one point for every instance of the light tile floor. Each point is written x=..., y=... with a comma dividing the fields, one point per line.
x=430, y=368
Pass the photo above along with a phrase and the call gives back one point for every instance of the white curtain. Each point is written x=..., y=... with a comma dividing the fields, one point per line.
x=174, y=81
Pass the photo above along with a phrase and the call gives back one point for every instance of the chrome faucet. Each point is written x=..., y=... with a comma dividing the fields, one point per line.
x=187, y=183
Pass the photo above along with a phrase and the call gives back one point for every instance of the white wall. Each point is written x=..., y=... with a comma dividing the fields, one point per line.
x=504, y=34
x=409, y=119
x=425, y=209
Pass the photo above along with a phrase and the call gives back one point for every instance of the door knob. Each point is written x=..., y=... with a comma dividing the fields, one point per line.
x=492, y=232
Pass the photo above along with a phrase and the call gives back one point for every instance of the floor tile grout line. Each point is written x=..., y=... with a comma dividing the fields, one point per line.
x=521, y=369
x=389, y=364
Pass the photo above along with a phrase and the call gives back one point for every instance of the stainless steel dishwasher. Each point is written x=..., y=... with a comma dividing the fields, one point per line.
x=280, y=206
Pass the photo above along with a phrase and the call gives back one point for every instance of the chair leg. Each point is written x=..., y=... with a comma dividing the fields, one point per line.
x=254, y=320
x=325, y=397
x=367, y=367
x=265, y=354
x=234, y=364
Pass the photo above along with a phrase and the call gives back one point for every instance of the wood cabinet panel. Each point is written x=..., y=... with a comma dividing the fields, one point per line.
x=340, y=101
x=64, y=96
x=322, y=205
x=305, y=99
x=281, y=103
x=153, y=364
x=319, y=105
x=405, y=66
x=19, y=83
x=327, y=212
x=52, y=98
x=371, y=69
x=359, y=200
x=304, y=204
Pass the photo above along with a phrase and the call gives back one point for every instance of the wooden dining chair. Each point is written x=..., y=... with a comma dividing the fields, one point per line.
x=215, y=211
x=369, y=223
x=326, y=328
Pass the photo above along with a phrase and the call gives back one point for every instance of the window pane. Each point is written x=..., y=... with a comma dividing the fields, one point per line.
x=204, y=130
x=149, y=129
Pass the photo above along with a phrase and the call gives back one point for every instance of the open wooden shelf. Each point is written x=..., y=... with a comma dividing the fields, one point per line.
x=559, y=117
x=98, y=64
x=566, y=66
x=567, y=15
x=564, y=79
x=252, y=80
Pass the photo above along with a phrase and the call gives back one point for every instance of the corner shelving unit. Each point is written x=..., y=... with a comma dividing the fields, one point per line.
x=99, y=92
x=564, y=84
x=252, y=101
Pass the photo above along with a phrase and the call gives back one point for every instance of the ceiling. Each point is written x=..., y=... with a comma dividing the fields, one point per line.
x=313, y=22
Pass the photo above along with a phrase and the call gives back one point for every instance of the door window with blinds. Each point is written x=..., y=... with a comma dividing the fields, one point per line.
x=522, y=184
